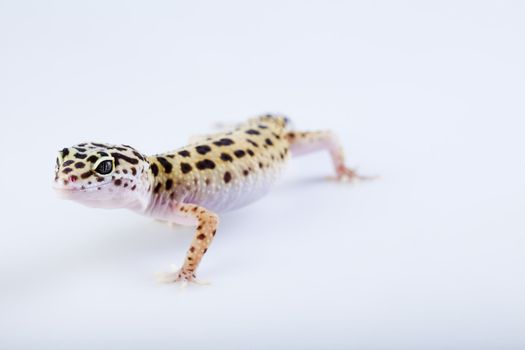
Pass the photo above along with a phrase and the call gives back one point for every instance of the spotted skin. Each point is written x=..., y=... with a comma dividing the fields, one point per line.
x=191, y=185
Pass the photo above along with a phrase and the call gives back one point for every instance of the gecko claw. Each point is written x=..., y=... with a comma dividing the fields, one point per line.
x=179, y=275
x=351, y=175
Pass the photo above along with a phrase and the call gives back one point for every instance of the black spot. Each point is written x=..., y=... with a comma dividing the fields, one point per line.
x=133, y=187
x=121, y=149
x=67, y=170
x=226, y=157
x=185, y=168
x=253, y=132
x=201, y=236
x=154, y=169
x=169, y=184
x=138, y=155
x=205, y=164
x=88, y=174
x=227, y=177
x=239, y=153
x=133, y=171
x=276, y=136
x=250, y=152
x=118, y=182
x=203, y=149
x=92, y=159
x=261, y=126
x=260, y=165
x=130, y=160
x=65, y=152
x=157, y=188
x=170, y=155
x=166, y=164
x=80, y=155
x=268, y=142
x=245, y=172
x=80, y=165
x=103, y=154
x=223, y=142
x=68, y=162
x=252, y=143
x=125, y=171
x=80, y=149
x=184, y=153
x=99, y=145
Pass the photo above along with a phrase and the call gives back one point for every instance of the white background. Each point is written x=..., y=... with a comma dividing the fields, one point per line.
x=429, y=95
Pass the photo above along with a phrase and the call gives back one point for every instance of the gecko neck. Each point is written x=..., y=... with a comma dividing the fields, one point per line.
x=143, y=195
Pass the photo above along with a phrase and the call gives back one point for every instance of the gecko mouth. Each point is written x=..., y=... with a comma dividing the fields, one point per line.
x=64, y=191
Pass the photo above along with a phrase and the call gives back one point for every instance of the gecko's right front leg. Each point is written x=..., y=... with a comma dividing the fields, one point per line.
x=206, y=221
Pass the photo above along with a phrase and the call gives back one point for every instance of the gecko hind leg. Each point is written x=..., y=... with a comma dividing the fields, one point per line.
x=308, y=142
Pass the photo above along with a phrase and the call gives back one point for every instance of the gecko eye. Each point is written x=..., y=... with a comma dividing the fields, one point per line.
x=105, y=167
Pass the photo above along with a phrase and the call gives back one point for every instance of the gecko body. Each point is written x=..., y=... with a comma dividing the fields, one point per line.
x=193, y=184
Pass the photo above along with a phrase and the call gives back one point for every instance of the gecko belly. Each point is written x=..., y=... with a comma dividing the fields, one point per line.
x=232, y=187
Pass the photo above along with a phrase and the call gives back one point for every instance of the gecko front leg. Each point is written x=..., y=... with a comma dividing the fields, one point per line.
x=206, y=221
x=312, y=141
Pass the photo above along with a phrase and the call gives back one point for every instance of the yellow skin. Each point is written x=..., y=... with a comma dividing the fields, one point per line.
x=191, y=185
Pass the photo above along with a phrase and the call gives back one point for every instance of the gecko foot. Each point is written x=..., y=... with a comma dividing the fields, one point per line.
x=179, y=275
x=351, y=175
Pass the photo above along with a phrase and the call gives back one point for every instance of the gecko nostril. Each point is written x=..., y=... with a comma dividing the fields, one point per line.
x=73, y=178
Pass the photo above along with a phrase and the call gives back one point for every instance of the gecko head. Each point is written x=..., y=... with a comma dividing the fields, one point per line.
x=100, y=175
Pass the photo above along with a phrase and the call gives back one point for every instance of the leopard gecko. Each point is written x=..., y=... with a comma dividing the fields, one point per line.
x=193, y=184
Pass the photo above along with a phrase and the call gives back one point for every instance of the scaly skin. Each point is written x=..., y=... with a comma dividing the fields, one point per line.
x=190, y=185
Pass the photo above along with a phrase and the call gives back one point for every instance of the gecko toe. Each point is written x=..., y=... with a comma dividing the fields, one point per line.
x=179, y=275
x=345, y=174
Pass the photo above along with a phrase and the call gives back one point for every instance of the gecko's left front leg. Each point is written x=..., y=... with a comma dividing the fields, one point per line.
x=206, y=221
